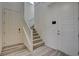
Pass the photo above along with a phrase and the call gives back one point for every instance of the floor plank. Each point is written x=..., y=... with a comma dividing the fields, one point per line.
x=41, y=51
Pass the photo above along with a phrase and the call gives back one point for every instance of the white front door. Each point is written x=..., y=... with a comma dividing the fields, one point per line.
x=64, y=32
x=12, y=27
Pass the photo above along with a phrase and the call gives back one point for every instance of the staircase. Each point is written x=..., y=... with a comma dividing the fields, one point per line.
x=37, y=41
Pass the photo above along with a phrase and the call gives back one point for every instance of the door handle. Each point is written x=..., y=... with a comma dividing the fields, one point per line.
x=19, y=29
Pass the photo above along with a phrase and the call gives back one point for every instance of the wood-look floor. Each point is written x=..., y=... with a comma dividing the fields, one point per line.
x=41, y=51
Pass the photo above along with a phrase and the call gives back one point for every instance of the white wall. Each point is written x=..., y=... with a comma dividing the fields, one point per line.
x=19, y=7
x=43, y=24
x=29, y=13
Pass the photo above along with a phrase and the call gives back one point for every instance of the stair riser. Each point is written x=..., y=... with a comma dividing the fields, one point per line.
x=36, y=41
x=34, y=31
x=36, y=37
x=38, y=45
x=35, y=34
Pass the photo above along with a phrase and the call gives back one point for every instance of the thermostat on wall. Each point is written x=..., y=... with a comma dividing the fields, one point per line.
x=53, y=22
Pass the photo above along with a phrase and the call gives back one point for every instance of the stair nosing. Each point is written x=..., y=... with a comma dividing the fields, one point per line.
x=38, y=43
x=34, y=42
x=35, y=33
x=36, y=36
x=37, y=39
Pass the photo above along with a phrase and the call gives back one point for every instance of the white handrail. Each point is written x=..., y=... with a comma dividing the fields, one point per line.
x=27, y=40
x=26, y=36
